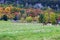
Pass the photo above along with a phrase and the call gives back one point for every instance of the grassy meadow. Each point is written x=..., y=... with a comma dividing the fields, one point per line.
x=28, y=31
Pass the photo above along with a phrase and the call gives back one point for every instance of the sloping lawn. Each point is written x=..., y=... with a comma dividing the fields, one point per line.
x=28, y=31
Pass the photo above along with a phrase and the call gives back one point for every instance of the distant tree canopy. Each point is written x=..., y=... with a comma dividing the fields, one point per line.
x=33, y=1
x=44, y=2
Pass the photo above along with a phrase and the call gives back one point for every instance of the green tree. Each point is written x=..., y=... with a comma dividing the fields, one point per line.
x=41, y=16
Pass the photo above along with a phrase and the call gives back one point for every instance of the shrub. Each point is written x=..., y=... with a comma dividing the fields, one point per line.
x=15, y=10
x=36, y=18
x=10, y=16
x=1, y=9
x=46, y=17
x=52, y=18
x=22, y=11
x=15, y=18
x=29, y=19
x=41, y=16
x=22, y=20
x=5, y=18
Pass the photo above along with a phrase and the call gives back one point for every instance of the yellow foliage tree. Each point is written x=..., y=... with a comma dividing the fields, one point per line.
x=46, y=17
x=8, y=9
x=52, y=17
x=1, y=10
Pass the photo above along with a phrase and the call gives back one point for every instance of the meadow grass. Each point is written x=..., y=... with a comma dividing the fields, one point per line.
x=28, y=31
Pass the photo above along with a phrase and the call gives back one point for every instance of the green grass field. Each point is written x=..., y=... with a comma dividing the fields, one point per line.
x=28, y=31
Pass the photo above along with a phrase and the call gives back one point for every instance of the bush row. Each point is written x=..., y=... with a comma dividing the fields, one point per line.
x=29, y=15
